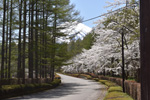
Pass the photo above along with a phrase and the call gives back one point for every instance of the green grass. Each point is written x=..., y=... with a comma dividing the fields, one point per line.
x=117, y=96
x=115, y=88
x=114, y=91
x=8, y=91
x=108, y=83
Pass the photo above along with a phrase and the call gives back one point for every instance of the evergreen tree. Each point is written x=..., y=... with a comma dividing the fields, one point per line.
x=3, y=39
x=29, y=37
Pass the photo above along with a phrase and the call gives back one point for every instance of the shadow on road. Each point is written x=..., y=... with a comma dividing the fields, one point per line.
x=63, y=90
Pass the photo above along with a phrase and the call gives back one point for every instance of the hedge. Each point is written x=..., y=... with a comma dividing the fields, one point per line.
x=17, y=90
x=114, y=91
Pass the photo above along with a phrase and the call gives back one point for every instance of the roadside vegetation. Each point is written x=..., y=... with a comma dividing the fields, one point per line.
x=115, y=92
x=8, y=91
x=30, y=51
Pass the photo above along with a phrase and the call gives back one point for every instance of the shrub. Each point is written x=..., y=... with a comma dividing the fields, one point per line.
x=75, y=75
x=108, y=83
x=57, y=76
x=115, y=91
x=85, y=76
x=115, y=88
x=96, y=79
x=56, y=82
x=102, y=81
x=117, y=96
x=15, y=90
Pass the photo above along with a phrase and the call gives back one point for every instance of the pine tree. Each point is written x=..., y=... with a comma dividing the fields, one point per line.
x=19, y=74
x=7, y=30
x=24, y=42
x=36, y=43
x=34, y=27
x=10, y=41
x=3, y=39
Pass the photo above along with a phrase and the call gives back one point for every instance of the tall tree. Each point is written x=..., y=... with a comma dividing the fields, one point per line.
x=7, y=30
x=43, y=40
x=144, y=49
x=36, y=43
x=10, y=36
x=3, y=39
x=35, y=27
x=31, y=41
x=24, y=42
x=19, y=40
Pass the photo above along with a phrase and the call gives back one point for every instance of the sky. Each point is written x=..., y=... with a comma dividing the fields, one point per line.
x=91, y=8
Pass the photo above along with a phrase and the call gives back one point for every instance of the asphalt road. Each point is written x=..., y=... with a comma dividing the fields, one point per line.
x=70, y=89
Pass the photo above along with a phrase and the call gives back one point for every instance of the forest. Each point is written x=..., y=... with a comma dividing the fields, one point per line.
x=30, y=33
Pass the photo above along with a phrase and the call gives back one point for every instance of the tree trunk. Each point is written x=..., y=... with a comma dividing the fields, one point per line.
x=24, y=43
x=19, y=42
x=31, y=43
x=43, y=43
x=53, y=48
x=7, y=29
x=36, y=42
x=3, y=39
x=145, y=49
x=9, y=63
x=29, y=40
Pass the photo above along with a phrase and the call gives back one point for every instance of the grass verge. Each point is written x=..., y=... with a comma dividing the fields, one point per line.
x=114, y=91
x=8, y=91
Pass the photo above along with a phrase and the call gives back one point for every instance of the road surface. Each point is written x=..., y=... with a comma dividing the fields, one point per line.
x=70, y=89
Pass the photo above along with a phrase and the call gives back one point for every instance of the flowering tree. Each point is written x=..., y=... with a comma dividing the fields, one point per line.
x=104, y=57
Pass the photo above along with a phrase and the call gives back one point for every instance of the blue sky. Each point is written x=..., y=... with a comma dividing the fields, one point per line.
x=90, y=8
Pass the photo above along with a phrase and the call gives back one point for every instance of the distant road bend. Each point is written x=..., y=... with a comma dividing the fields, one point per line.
x=70, y=89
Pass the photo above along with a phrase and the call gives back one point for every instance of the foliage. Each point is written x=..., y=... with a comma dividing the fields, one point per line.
x=57, y=76
x=75, y=47
x=66, y=51
x=31, y=30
